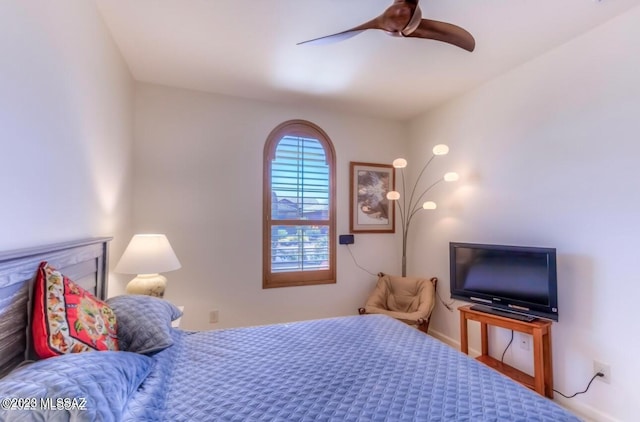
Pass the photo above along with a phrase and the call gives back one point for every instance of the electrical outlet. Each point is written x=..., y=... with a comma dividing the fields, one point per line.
x=213, y=317
x=604, y=369
x=525, y=341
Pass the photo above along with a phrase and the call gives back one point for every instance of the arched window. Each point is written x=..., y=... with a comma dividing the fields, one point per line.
x=299, y=207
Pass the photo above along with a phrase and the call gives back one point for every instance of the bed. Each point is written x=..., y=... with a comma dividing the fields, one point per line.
x=359, y=368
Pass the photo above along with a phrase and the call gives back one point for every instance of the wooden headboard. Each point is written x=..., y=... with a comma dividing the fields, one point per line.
x=84, y=261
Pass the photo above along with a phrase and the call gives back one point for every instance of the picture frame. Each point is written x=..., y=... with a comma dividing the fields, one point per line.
x=369, y=209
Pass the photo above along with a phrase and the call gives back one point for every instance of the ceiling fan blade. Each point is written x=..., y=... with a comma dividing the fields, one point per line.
x=340, y=36
x=372, y=24
x=445, y=32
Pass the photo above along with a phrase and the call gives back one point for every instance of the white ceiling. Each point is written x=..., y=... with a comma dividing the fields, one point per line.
x=248, y=48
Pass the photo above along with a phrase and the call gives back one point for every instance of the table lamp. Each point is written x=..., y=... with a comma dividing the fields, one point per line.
x=147, y=255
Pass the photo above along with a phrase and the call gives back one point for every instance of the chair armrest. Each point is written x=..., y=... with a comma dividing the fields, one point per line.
x=408, y=317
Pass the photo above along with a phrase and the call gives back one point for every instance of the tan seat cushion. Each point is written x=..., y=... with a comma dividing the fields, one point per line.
x=404, y=298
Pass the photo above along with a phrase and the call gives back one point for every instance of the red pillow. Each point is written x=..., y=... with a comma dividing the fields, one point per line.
x=67, y=318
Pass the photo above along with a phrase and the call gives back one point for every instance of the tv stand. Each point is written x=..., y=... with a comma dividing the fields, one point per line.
x=540, y=330
x=506, y=314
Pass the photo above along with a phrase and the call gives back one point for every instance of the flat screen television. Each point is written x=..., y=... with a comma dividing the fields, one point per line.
x=520, y=280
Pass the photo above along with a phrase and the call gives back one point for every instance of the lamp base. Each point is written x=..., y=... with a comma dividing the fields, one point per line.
x=147, y=284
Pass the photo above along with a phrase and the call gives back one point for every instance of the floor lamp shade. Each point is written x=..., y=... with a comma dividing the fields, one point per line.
x=147, y=255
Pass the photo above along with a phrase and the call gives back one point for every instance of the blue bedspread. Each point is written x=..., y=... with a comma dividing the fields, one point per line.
x=362, y=368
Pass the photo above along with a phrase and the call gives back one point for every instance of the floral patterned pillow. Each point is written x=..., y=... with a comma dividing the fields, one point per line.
x=67, y=318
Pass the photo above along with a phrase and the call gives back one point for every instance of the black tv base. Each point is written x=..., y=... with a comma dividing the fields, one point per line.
x=506, y=314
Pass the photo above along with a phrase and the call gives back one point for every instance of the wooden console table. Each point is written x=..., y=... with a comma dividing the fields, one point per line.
x=542, y=381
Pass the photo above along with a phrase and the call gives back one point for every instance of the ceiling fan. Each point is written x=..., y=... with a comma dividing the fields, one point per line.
x=404, y=19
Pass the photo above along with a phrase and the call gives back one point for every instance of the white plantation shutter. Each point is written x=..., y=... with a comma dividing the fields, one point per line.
x=299, y=191
x=300, y=180
x=299, y=202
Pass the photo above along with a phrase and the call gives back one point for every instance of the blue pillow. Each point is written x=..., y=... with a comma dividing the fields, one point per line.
x=75, y=386
x=144, y=322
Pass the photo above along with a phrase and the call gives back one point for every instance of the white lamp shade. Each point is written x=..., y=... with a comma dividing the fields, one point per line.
x=440, y=149
x=429, y=205
x=393, y=195
x=399, y=163
x=452, y=176
x=148, y=254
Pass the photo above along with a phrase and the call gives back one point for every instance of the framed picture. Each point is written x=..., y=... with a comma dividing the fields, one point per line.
x=370, y=210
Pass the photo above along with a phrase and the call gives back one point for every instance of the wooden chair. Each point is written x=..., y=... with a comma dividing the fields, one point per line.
x=408, y=299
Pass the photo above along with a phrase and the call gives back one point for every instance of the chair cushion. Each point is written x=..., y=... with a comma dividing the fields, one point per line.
x=404, y=298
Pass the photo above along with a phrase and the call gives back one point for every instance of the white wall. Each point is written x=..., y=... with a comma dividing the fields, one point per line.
x=198, y=178
x=549, y=157
x=66, y=126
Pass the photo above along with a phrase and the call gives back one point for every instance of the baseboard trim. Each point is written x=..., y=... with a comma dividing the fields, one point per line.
x=452, y=342
x=584, y=411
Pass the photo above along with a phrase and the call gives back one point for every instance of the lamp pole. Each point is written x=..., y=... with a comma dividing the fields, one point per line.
x=408, y=209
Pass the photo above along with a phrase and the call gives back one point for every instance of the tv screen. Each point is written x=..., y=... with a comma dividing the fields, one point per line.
x=518, y=279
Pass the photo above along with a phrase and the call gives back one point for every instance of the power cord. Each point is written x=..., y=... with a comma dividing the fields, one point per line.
x=598, y=374
x=446, y=305
x=506, y=348
x=358, y=265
